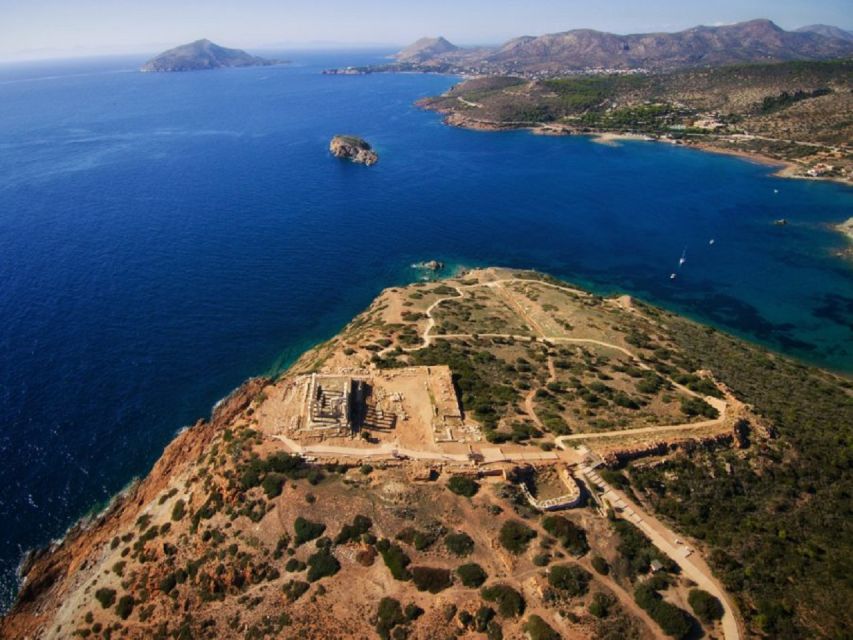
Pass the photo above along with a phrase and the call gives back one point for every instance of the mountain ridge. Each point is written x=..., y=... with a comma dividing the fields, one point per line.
x=759, y=40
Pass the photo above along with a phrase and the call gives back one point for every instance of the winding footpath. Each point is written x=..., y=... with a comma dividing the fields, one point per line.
x=427, y=338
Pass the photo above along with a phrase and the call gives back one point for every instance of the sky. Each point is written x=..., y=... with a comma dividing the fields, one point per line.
x=31, y=29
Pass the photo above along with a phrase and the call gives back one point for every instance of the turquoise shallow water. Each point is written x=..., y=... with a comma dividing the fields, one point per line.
x=163, y=237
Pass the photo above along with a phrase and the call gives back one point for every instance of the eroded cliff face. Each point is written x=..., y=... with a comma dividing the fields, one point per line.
x=354, y=149
x=50, y=575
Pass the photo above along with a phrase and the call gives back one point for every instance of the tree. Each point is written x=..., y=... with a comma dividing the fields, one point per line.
x=509, y=601
x=571, y=536
x=704, y=605
x=600, y=565
x=106, y=597
x=571, y=579
x=178, y=509
x=515, y=536
x=459, y=544
x=463, y=486
x=322, y=564
x=471, y=575
x=431, y=579
x=125, y=607
x=272, y=484
x=307, y=530
x=537, y=629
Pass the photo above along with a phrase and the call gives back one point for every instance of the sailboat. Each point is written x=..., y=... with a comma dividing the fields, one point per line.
x=683, y=257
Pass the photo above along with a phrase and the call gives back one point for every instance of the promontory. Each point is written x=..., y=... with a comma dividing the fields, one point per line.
x=496, y=455
x=202, y=55
x=354, y=149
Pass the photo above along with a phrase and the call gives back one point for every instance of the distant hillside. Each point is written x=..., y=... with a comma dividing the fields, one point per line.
x=585, y=49
x=201, y=55
x=797, y=112
x=827, y=30
x=424, y=49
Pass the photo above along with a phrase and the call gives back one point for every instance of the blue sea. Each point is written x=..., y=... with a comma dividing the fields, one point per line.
x=165, y=236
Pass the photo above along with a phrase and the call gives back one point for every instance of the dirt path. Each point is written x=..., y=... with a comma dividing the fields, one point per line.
x=685, y=426
x=498, y=285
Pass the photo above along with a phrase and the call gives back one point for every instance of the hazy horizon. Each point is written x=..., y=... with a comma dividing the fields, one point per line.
x=76, y=28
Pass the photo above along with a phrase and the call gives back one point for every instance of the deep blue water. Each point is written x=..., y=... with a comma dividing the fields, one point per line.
x=163, y=237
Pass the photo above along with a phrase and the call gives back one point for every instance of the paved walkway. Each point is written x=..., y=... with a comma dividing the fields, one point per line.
x=692, y=565
x=388, y=450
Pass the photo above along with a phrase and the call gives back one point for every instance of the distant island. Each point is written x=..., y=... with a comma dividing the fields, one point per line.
x=202, y=55
x=354, y=149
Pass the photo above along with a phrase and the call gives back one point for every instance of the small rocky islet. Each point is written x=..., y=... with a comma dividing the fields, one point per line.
x=354, y=149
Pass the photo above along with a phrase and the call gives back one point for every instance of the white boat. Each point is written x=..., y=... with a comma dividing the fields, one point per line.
x=683, y=257
x=672, y=276
x=711, y=241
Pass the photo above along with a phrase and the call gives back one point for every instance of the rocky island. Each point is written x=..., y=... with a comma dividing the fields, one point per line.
x=354, y=149
x=500, y=454
x=203, y=55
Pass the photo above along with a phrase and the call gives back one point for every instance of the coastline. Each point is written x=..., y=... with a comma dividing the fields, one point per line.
x=786, y=168
x=846, y=229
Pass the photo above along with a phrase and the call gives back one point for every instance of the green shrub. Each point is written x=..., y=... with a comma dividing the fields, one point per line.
x=515, y=536
x=471, y=575
x=707, y=607
x=463, y=486
x=635, y=547
x=601, y=605
x=537, y=629
x=510, y=602
x=360, y=526
x=293, y=565
x=571, y=536
x=542, y=559
x=168, y=583
x=674, y=622
x=125, y=607
x=460, y=544
x=321, y=565
x=294, y=589
x=431, y=579
x=178, y=509
x=420, y=540
x=272, y=484
x=388, y=616
x=413, y=611
x=307, y=530
x=698, y=407
x=106, y=597
x=571, y=579
x=395, y=559
x=482, y=618
x=600, y=565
